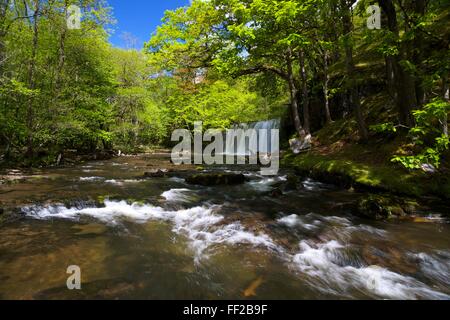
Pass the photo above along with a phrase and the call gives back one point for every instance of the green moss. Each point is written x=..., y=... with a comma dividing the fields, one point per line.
x=379, y=177
x=101, y=199
x=336, y=131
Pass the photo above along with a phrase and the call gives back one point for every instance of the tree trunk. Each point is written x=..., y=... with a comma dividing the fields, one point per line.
x=419, y=8
x=2, y=54
x=326, y=83
x=57, y=84
x=335, y=31
x=61, y=51
x=4, y=4
x=31, y=79
x=389, y=67
x=305, y=97
x=390, y=77
x=293, y=94
x=404, y=82
x=446, y=96
x=355, y=101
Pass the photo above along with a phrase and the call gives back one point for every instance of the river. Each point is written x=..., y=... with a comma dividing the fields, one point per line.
x=160, y=238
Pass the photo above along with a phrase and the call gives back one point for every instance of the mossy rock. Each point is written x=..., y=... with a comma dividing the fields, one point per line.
x=214, y=179
x=380, y=207
x=367, y=177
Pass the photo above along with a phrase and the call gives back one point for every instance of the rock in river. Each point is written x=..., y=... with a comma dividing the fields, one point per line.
x=276, y=193
x=292, y=183
x=214, y=179
x=379, y=207
x=159, y=173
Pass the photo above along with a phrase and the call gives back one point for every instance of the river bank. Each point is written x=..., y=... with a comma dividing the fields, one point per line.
x=363, y=173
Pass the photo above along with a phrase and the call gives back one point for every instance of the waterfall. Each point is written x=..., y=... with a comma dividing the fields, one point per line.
x=241, y=147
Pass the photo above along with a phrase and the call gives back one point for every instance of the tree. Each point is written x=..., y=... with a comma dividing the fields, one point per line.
x=355, y=100
x=398, y=59
x=55, y=81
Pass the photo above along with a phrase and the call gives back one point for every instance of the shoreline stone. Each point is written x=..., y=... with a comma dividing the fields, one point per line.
x=214, y=179
x=157, y=173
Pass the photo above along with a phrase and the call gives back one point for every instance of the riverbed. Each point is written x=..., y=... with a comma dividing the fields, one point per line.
x=160, y=238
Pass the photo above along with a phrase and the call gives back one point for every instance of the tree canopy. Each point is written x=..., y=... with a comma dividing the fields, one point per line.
x=223, y=62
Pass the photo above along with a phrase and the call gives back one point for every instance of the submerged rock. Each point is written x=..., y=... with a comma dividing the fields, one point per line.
x=292, y=183
x=214, y=179
x=251, y=290
x=276, y=193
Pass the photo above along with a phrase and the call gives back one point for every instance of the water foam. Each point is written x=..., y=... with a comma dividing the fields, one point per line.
x=177, y=180
x=313, y=221
x=312, y=185
x=322, y=261
x=200, y=224
x=325, y=263
x=330, y=270
x=121, y=182
x=266, y=183
x=177, y=195
x=435, y=266
x=294, y=220
x=91, y=179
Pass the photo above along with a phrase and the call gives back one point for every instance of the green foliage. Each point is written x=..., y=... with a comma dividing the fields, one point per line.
x=428, y=135
x=384, y=127
x=138, y=118
x=55, y=82
x=217, y=105
x=221, y=62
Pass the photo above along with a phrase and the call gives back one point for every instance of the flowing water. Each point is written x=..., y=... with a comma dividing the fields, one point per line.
x=160, y=238
x=247, y=144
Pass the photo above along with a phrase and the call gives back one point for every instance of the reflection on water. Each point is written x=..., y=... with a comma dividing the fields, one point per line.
x=163, y=239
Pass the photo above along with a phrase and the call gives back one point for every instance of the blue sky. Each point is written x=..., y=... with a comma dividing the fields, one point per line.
x=139, y=17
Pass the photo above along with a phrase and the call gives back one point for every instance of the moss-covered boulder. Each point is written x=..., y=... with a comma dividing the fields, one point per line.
x=347, y=173
x=380, y=207
x=214, y=179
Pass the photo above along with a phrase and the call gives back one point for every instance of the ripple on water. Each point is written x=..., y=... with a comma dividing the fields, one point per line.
x=91, y=179
x=435, y=265
x=324, y=263
x=178, y=195
x=122, y=182
x=333, y=269
x=264, y=184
